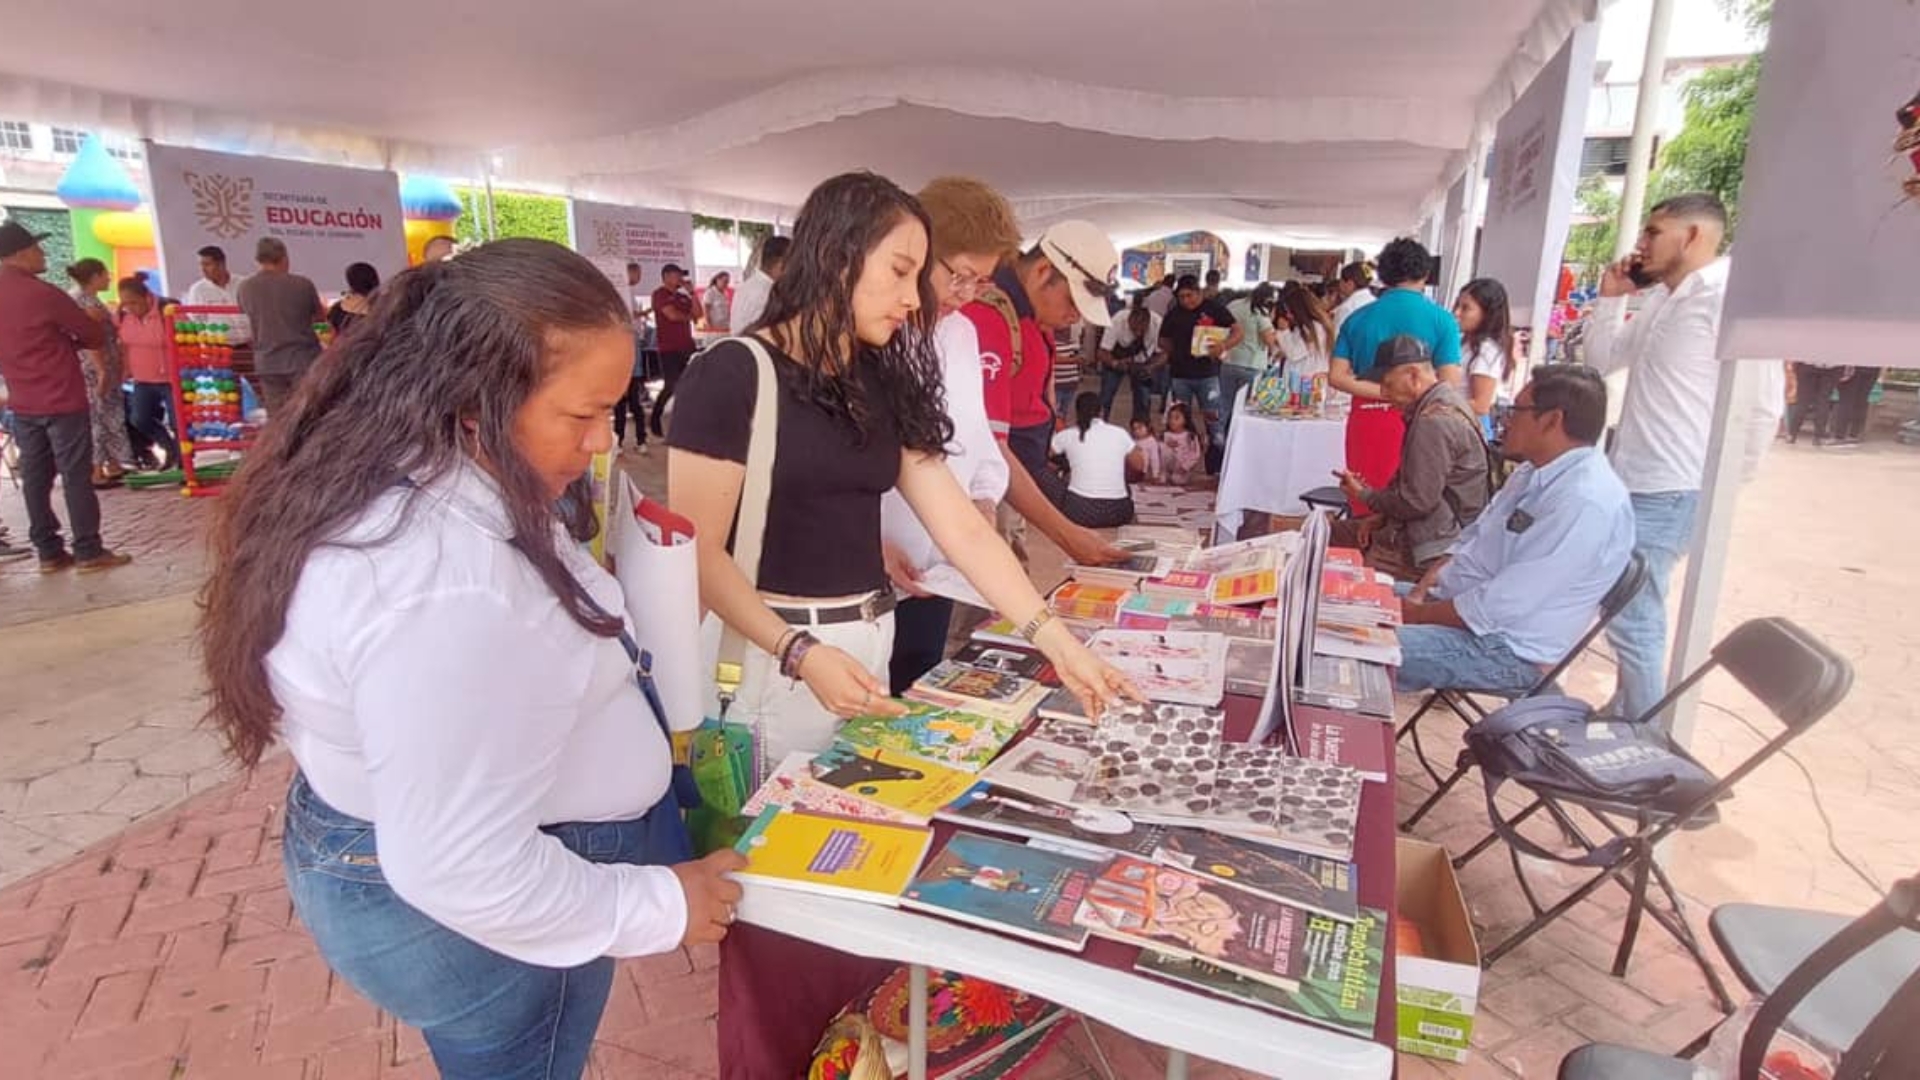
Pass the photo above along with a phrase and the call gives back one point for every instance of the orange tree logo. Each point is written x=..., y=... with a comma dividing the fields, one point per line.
x=223, y=204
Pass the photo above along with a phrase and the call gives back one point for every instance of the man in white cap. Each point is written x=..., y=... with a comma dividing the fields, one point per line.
x=1064, y=278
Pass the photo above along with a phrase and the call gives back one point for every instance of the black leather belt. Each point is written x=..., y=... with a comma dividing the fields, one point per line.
x=867, y=609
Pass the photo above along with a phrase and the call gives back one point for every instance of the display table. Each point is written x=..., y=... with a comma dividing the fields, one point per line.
x=1270, y=462
x=1098, y=983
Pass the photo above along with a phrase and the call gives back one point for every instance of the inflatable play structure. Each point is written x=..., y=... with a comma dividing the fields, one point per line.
x=104, y=207
x=431, y=208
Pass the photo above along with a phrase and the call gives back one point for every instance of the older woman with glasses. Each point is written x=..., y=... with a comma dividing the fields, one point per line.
x=973, y=232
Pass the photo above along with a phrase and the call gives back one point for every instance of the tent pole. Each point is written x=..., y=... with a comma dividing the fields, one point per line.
x=493, y=225
x=1693, y=635
x=1646, y=116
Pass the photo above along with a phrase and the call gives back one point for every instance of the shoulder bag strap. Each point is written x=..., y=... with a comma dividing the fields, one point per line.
x=999, y=301
x=750, y=528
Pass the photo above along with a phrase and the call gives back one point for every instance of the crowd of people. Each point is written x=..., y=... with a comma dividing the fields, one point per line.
x=482, y=815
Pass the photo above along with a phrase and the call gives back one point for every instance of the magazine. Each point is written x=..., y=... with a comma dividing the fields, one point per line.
x=1308, y=806
x=1008, y=887
x=1189, y=915
x=1177, y=667
x=1339, y=987
x=1078, y=828
x=950, y=737
x=1336, y=682
x=1249, y=666
x=1062, y=704
x=1373, y=644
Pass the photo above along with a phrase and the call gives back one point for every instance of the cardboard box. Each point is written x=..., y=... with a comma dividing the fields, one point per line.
x=1437, y=993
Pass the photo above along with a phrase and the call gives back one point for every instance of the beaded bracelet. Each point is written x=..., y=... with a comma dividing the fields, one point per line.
x=797, y=654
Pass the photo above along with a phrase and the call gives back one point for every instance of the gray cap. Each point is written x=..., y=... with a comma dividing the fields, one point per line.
x=1401, y=349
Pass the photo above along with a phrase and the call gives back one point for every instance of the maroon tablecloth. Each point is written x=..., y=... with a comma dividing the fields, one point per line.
x=778, y=993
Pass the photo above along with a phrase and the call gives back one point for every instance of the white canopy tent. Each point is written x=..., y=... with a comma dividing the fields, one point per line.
x=1299, y=123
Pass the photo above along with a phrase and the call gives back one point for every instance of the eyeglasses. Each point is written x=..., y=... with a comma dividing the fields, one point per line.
x=964, y=285
x=1099, y=287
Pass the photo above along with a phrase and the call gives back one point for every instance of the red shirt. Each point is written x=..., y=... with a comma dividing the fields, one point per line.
x=42, y=331
x=671, y=334
x=144, y=344
x=1014, y=400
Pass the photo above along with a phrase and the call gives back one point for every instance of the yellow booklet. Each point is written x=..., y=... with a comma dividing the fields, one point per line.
x=834, y=856
x=899, y=782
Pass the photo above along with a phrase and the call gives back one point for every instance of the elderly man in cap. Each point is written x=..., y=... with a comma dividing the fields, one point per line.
x=42, y=331
x=1444, y=478
x=673, y=316
x=1065, y=277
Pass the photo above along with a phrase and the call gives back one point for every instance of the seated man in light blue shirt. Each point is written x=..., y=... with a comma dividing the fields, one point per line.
x=1524, y=581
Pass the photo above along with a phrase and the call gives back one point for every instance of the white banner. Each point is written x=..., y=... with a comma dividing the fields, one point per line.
x=612, y=236
x=329, y=216
x=1535, y=169
x=1828, y=248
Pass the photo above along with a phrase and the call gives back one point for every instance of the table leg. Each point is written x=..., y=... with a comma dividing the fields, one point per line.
x=1176, y=1064
x=917, y=1022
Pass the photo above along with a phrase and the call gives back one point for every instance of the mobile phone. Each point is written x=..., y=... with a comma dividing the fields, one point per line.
x=1637, y=274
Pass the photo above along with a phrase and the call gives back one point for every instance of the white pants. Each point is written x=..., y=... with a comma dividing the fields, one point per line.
x=784, y=714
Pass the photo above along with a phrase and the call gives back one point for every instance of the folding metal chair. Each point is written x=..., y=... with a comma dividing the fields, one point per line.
x=1461, y=701
x=1884, y=1041
x=1798, y=678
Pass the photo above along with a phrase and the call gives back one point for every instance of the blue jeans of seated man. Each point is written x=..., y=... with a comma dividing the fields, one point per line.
x=1663, y=532
x=1448, y=658
x=1202, y=397
x=485, y=1016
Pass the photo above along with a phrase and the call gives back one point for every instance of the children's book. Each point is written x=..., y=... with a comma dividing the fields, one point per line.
x=912, y=787
x=951, y=737
x=1006, y=886
x=833, y=856
x=792, y=785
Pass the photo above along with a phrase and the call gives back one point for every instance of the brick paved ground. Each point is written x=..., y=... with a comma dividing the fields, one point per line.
x=167, y=950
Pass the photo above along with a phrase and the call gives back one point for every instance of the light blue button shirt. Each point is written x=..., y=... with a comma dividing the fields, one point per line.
x=1535, y=564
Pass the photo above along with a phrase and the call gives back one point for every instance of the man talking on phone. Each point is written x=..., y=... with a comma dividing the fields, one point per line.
x=1660, y=450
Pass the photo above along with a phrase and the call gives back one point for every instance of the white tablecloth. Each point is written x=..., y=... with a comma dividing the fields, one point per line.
x=1235, y=1035
x=1271, y=462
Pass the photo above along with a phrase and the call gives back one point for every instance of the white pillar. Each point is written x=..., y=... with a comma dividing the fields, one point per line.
x=1693, y=635
x=1646, y=116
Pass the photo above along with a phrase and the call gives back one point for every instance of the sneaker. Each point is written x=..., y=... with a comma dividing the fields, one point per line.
x=643, y=450
x=13, y=552
x=55, y=564
x=106, y=560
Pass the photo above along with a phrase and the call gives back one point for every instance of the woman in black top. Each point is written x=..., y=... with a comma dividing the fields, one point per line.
x=849, y=326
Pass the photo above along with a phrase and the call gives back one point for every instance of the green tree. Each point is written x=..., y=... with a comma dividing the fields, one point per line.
x=1710, y=152
x=1590, y=246
x=517, y=213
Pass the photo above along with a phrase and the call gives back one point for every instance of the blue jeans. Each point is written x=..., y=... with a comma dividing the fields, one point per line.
x=1663, y=532
x=1233, y=379
x=1110, y=380
x=485, y=1016
x=1448, y=658
x=1203, y=398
